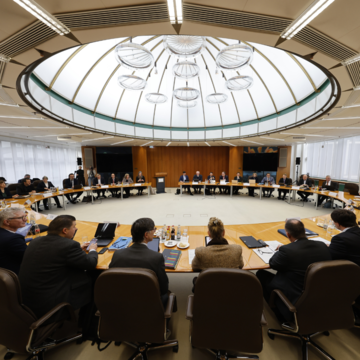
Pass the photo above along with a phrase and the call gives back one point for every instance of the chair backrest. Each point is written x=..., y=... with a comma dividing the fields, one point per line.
x=330, y=288
x=227, y=310
x=130, y=306
x=12, y=188
x=15, y=319
x=36, y=183
x=64, y=183
x=353, y=189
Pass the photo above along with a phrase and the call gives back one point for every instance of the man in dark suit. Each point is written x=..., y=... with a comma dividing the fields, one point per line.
x=27, y=176
x=69, y=184
x=210, y=178
x=238, y=178
x=268, y=179
x=346, y=245
x=12, y=244
x=185, y=178
x=46, y=185
x=328, y=184
x=224, y=189
x=304, y=183
x=197, y=178
x=80, y=175
x=113, y=180
x=55, y=269
x=284, y=181
x=252, y=189
x=291, y=262
x=25, y=188
x=140, y=256
x=99, y=181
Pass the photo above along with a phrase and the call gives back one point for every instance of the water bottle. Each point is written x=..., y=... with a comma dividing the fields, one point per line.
x=178, y=234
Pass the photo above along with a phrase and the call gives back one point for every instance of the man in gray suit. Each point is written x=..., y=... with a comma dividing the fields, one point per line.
x=140, y=256
x=269, y=180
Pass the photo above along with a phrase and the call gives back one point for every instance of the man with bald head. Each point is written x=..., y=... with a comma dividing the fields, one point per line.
x=305, y=183
x=291, y=262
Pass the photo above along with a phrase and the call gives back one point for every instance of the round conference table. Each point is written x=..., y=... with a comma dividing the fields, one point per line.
x=263, y=231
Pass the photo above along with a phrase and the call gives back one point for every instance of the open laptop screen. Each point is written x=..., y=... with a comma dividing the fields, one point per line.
x=106, y=231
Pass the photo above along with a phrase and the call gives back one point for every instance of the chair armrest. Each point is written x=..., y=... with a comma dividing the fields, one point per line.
x=263, y=321
x=97, y=313
x=53, y=311
x=189, y=310
x=169, y=306
x=283, y=298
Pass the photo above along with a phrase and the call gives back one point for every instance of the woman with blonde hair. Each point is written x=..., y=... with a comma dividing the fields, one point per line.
x=127, y=180
x=218, y=253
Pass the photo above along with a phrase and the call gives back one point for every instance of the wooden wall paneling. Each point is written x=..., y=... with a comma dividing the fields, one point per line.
x=139, y=158
x=236, y=155
x=284, y=170
x=83, y=156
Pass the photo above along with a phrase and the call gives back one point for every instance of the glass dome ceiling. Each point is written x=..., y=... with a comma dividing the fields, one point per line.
x=80, y=86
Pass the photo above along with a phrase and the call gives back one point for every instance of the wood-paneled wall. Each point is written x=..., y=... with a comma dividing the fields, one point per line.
x=236, y=155
x=284, y=170
x=139, y=156
x=175, y=160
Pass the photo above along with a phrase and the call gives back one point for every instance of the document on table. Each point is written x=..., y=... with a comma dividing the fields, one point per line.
x=191, y=253
x=327, y=242
x=266, y=253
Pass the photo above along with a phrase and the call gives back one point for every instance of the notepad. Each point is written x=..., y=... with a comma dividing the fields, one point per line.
x=171, y=258
x=191, y=253
x=327, y=242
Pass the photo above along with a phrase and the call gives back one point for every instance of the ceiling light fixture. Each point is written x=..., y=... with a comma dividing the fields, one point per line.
x=4, y=58
x=102, y=138
x=120, y=142
x=20, y=117
x=12, y=105
x=188, y=144
x=270, y=138
x=33, y=8
x=350, y=106
x=175, y=17
x=305, y=18
x=171, y=9
x=351, y=60
x=33, y=127
x=168, y=143
x=334, y=128
x=63, y=135
x=179, y=12
x=228, y=143
x=344, y=118
x=147, y=143
x=251, y=141
x=207, y=144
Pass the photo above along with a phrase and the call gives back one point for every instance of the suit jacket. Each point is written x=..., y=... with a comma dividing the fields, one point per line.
x=198, y=178
x=218, y=256
x=12, y=249
x=226, y=178
x=346, y=245
x=287, y=182
x=110, y=181
x=271, y=180
x=240, y=178
x=68, y=184
x=41, y=186
x=182, y=178
x=140, y=256
x=24, y=190
x=95, y=181
x=20, y=181
x=54, y=271
x=254, y=178
x=291, y=262
x=211, y=177
x=309, y=182
x=138, y=178
x=333, y=185
x=6, y=194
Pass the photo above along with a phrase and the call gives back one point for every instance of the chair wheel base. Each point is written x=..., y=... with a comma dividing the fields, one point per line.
x=9, y=355
x=175, y=349
x=271, y=336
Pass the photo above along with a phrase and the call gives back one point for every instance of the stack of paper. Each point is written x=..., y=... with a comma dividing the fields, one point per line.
x=191, y=253
x=266, y=253
x=327, y=242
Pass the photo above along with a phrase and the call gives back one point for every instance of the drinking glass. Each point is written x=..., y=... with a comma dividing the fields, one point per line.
x=84, y=241
x=36, y=230
x=325, y=226
x=320, y=222
x=3, y=204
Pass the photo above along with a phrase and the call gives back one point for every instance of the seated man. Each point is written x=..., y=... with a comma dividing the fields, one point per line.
x=140, y=256
x=197, y=178
x=238, y=178
x=252, y=189
x=185, y=178
x=27, y=176
x=224, y=189
x=267, y=180
x=327, y=185
x=55, y=269
x=291, y=262
x=69, y=184
x=113, y=180
x=12, y=245
x=283, y=182
x=99, y=181
x=26, y=188
x=304, y=183
x=45, y=185
x=5, y=192
x=210, y=178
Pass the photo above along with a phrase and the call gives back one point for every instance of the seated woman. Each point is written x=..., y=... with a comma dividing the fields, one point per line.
x=219, y=253
x=5, y=192
x=127, y=180
x=140, y=179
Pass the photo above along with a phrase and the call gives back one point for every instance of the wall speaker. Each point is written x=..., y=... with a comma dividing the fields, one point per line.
x=283, y=157
x=298, y=161
x=88, y=158
x=79, y=161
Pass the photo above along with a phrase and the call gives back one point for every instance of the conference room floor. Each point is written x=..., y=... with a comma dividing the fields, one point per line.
x=171, y=209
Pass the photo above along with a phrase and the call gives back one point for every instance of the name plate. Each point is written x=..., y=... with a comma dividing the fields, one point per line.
x=212, y=181
x=18, y=205
x=137, y=184
x=247, y=184
x=104, y=186
x=87, y=187
x=195, y=183
x=276, y=186
x=223, y=182
x=296, y=187
x=47, y=195
x=28, y=202
x=332, y=193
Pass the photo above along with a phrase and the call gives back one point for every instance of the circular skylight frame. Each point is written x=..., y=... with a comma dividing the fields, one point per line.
x=217, y=98
x=124, y=55
x=234, y=57
x=184, y=46
x=186, y=94
x=156, y=98
x=131, y=82
x=239, y=83
x=186, y=70
x=187, y=104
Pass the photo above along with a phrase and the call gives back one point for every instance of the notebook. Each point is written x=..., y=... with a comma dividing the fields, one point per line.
x=105, y=233
x=121, y=243
x=308, y=232
x=171, y=258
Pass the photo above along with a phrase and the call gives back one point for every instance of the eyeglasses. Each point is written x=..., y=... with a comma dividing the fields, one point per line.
x=265, y=252
x=17, y=218
x=153, y=229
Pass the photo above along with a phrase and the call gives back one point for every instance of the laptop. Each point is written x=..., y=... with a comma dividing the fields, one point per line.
x=234, y=181
x=105, y=233
x=252, y=181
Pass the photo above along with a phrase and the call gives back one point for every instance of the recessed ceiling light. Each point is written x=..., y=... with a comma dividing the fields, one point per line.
x=147, y=143
x=207, y=144
x=270, y=138
x=120, y=142
x=102, y=138
x=168, y=143
x=228, y=143
x=251, y=141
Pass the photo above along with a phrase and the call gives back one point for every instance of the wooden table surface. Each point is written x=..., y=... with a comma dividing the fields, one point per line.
x=263, y=231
